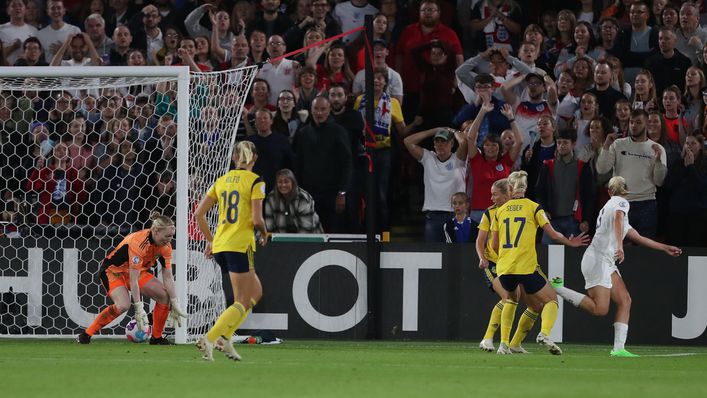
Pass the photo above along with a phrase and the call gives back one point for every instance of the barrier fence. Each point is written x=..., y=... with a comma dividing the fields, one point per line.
x=320, y=290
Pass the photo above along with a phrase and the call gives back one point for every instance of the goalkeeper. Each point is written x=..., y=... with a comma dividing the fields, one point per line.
x=126, y=272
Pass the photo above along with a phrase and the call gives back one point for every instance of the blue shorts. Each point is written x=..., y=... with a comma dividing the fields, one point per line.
x=490, y=275
x=235, y=261
x=532, y=283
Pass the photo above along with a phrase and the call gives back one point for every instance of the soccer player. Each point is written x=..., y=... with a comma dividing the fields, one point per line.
x=603, y=281
x=500, y=194
x=125, y=273
x=239, y=194
x=516, y=224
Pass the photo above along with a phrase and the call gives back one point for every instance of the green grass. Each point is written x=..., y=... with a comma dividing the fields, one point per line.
x=117, y=368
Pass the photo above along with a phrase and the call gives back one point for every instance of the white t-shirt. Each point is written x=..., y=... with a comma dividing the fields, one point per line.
x=566, y=109
x=280, y=77
x=527, y=115
x=604, y=241
x=395, y=83
x=350, y=17
x=70, y=62
x=154, y=45
x=442, y=180
x=9, y=33
x=49, y=36
x=582, y=138
x=586, y=17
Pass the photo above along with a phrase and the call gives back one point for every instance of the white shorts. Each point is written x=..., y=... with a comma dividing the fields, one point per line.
x=597, y=269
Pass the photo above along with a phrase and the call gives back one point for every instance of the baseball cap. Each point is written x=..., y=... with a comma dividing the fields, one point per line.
x=444, y=134
x=34, y=125
x=382, y=42
x=534, y=75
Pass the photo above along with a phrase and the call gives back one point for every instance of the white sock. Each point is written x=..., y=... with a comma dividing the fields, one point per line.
x=620, y=334
x=571, y=296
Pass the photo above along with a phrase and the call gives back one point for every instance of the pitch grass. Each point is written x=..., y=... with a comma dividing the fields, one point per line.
x=305, y=368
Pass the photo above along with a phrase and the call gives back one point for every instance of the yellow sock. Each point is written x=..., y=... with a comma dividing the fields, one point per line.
x=525, y=323
x=548, y=315
x=232, y=316
x=494, y=321
x=507, y=315
x=230, y=331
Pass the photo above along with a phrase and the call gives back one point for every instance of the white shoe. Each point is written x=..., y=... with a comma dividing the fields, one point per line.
x=552, y=347
x=503, y=349
x=218, y=344
x=487, y=345
x=206, y=347
x=227, y=348
x=518, y=350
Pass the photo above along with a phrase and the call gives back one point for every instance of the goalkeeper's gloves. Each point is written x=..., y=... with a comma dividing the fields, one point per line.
x=176, y=313
x=140, y=315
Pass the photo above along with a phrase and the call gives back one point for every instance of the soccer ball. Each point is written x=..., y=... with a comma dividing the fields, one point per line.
x=136, y=335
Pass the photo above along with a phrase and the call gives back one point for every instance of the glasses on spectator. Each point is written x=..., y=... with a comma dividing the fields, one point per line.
x=608, y=27
x=429, y=10
x=535, y=83
x=277, y=43
x=483, y=86
x=172, y=34
x=286, y=98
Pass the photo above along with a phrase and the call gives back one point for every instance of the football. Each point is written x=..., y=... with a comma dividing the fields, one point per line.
x=136, y=335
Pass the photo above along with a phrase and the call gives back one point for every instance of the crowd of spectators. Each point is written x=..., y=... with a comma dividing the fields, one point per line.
x=465, y=92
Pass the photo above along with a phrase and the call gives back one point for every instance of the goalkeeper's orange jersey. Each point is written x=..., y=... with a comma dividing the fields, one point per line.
x=137, y=251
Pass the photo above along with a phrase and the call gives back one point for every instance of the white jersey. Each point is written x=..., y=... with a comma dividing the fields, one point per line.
x=442, y=180
x=49, y=36
x=604, y=241
x=279, y=77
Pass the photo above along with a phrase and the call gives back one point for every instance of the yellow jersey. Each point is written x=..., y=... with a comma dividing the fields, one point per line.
x=234, y=192
x=485, y=225
x=517, y=222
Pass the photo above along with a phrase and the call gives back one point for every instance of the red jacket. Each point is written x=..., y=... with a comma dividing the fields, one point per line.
x=43, y=183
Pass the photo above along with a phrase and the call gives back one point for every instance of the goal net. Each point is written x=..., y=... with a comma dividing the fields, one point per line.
x=87, y=154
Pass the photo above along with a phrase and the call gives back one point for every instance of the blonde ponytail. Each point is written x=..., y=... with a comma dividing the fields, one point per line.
x=518, y=180
x=245, y=153
x=159, y=221
x=617, y=186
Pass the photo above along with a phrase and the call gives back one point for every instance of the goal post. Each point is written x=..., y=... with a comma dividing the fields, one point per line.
x=64, y=247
